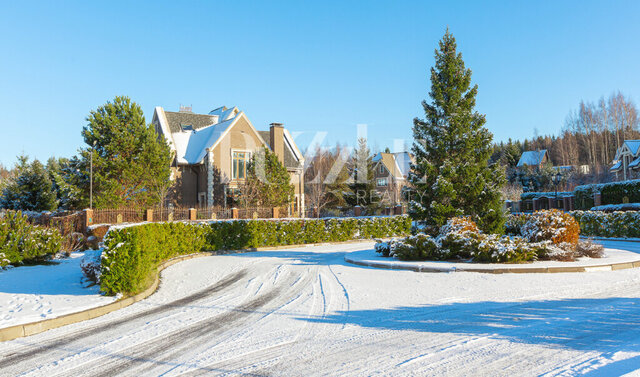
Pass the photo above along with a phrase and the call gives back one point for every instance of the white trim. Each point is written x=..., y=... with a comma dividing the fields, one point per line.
x=292, y=145
x=164, y=126
x=233, y=123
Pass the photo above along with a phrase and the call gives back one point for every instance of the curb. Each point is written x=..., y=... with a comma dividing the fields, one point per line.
x=500, y=270
x=637, y=240
x=32, y=328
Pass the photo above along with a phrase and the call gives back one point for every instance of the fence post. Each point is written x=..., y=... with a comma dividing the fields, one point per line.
x=398, y=209
x=149, y=215
x=234, y=213
x=597, y=199
x=551, y=201
x=88, y=218
x=275, y=212
x=315, y=212
x=357, y=211
x=535, y=204
x=192, y=214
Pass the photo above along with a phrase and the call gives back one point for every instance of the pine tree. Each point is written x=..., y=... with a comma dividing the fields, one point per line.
x=362, y=185
x=268, y=183
x=131, y=164
x=452, y=175
x=30, y=189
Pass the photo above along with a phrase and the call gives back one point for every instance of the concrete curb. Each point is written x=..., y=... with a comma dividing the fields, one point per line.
x=611, y=239
x=499, y=270
x=32, y=328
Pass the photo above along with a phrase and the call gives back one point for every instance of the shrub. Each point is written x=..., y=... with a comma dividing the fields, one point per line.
x=459, y=237
x=589, y=249
x=551, y=225
x=495, y=249
x=613, y=224
x=417, y=247
x=132, y=254
x=21, y=242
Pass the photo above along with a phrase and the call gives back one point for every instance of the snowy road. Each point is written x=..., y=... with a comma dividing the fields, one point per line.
x=305, y=312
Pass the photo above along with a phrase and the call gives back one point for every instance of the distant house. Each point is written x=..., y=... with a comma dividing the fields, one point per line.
x=212, y=151
x=534, y=159
x=626, y=163
x=391, y=174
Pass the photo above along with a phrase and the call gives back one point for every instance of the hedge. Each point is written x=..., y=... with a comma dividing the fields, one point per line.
x=612, y=193
x=21, y=242
x=536, y=195
x=133, y=253
x=608, y=224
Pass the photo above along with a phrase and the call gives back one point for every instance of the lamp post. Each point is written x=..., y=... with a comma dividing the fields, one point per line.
x=93, y=147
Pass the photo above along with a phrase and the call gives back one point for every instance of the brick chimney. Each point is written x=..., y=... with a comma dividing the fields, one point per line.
x=276, y=136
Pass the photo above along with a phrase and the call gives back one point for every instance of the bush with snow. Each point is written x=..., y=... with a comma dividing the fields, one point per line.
x=548, y=235
x=608, y=224
x=551, y=225
x=21, y=242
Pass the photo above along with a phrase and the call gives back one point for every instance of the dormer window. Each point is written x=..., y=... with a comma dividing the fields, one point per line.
x=187, y=127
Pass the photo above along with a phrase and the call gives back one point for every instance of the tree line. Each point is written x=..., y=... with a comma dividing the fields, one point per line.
x=591, y=135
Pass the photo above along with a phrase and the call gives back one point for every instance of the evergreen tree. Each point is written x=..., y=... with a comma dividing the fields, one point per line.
x=64, y=178
x=362, y=185
x=30, y=189
x=268, y=183
x=452, y=147
x=131, y=164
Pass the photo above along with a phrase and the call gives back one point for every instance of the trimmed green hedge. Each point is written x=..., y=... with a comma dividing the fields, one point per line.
x=608, y=224
x=133, y=253
x=21, y=242
x=612, y=193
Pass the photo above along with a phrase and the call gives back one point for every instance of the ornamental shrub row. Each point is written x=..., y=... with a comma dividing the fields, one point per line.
x=132, y=254
x=608, y=224
x=21, y=242
x=612, y=193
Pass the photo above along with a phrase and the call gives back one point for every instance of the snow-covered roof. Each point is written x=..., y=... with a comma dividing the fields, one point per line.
x=532, y=158
x=616, y=166
x=397, y=163
x=191, y=146
x=635, y=163
x=633, y=145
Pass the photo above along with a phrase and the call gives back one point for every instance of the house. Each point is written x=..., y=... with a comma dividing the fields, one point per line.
x=391, y=171
x=626, y=163
x=535, y=159
x=212, y=151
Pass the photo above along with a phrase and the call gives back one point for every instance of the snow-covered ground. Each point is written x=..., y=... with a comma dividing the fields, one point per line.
x=34, y=293
x=304, y=311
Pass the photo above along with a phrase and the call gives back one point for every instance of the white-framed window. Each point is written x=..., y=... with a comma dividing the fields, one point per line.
x=381, y=181
x=239, y=160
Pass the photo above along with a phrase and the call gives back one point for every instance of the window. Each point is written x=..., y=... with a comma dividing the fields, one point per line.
x=382, y=181
x=187, y=127
x=381, y=169
x=239, y=167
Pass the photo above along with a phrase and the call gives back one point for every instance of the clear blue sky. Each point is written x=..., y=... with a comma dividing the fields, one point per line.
x=314, y=66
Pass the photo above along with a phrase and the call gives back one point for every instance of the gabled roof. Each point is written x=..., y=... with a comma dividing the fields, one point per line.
x=398, y=164
x=176, y=120
x=633, y=145
x=532, y=158
x=190, y=135
x=617, y=166
x=291, y=158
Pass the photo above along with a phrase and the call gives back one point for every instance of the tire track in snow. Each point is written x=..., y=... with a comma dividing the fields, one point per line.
x=58, y=343
x=191, y=337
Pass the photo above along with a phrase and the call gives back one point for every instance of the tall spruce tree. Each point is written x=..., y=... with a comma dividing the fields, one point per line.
x=452, y=175
x=130, y=161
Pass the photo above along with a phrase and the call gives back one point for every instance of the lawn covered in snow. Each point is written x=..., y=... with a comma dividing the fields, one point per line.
x=34, y=293
x=305, y=311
